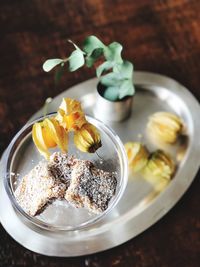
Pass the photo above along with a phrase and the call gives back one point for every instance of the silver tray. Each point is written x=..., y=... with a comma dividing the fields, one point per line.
x=141, y=206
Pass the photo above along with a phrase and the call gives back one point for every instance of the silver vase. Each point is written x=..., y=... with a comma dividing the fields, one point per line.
x=106, y=110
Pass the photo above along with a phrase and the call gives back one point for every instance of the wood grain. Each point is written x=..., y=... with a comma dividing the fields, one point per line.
x=161, y=36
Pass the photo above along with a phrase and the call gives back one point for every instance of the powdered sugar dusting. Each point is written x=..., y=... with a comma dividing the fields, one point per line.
x=91, y=187
x=79, y=181
x=38, y=188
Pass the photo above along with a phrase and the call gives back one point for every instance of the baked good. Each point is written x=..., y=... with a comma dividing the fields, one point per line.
x=38, y=188
x=60, y=166
x=78, y=181
x=90, y=188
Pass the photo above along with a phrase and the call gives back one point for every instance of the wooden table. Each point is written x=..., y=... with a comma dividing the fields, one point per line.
x=159, y=36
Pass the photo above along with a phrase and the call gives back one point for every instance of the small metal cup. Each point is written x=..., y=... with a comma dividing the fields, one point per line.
x=107, y=110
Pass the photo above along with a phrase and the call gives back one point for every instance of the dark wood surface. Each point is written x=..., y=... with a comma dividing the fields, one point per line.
x=158, y=36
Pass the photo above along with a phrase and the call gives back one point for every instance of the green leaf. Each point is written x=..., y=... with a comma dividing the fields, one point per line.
x=91, y=43
x=76, y=60
x=96, y=53
x=126, y=88
x=111, y=93
x=77, y=48
x=125, y=69
x=113, y=52
x=110, y=79
x=49, y=64
x=103, y=67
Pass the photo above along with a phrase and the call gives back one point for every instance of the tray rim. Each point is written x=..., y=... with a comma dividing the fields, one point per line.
x=159, y=212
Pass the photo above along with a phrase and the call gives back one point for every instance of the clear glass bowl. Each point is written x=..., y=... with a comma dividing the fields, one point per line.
x=21, y=156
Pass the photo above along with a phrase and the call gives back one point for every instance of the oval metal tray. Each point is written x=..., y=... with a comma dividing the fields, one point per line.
x=141, y=205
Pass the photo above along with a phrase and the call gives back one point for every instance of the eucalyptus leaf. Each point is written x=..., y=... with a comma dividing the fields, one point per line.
x=103, y=67
x=49, y=64
x=111, y=93
x=91, y=43
x=96, y=53
x=76, y=60
x=113, y=52
x=118, y=74
x=126, y=88
x=110, y=79
x=125, y=69
x=77, y=48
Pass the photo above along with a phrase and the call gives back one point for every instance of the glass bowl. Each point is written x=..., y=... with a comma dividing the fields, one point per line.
x=21, y=156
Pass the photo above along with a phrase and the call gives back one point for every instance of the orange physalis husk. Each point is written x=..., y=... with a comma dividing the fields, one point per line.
x=72, y=105
x=57, y=133
x=87, y=139
x=70, y=115
x=49, y=141
x=48, y=134
x=137, y=156
x=38, y=139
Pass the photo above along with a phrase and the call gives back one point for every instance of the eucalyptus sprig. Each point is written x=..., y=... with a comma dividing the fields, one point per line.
x=115, y=74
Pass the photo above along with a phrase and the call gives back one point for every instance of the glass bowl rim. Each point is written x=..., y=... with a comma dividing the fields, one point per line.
x=35, y=221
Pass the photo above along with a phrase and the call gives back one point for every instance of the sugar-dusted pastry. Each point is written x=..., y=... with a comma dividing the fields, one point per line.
x=63, y=176
x=38, y=188
x=90, y=187
x=60, y=166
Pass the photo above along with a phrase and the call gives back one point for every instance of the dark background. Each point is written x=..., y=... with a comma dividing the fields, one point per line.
x=158, y=36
